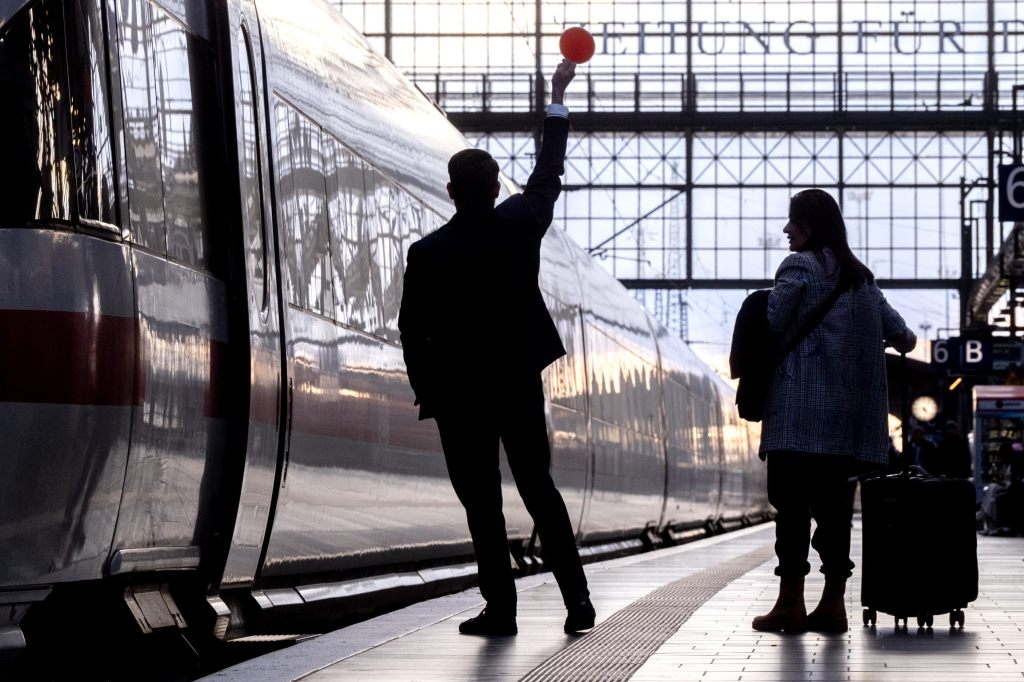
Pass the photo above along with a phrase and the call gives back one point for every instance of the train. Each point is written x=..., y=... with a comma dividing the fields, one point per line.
x=205, y=413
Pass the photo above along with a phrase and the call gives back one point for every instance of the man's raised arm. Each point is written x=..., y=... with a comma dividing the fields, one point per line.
x=544, y=185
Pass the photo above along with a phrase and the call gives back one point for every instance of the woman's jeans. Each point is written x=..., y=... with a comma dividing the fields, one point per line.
x=802, y=486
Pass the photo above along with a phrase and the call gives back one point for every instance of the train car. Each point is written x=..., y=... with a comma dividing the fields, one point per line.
x=204, y=211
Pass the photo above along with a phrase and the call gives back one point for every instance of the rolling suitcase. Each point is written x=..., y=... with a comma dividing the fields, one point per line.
x=920, y=553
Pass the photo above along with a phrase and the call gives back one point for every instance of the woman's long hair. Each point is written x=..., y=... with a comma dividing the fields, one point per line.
x=818, y=214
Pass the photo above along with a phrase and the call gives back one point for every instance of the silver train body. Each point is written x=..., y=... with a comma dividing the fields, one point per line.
x=202, y=234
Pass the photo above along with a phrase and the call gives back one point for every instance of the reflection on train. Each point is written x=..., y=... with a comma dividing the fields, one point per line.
x=205, y=209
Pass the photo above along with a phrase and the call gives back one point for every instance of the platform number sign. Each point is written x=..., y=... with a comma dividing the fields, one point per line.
x=1011, y=192
x=961, y=355
x=940, y=352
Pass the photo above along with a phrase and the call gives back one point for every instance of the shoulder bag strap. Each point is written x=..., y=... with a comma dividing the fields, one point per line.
x=812, y=322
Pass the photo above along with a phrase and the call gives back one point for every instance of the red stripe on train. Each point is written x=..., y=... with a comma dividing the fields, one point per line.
x=72, y=358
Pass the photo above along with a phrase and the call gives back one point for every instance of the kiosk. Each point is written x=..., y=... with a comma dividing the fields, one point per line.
x=998, y=424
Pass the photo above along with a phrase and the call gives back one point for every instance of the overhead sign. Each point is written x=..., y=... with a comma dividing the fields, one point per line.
x=977, y=356
x=1011, y=192
x=1006, y=354
x=906, y=36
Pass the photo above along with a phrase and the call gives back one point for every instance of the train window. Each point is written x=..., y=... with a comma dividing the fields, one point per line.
x=285, y=160
x=371, y=225
x=175, y=107
x=142, y=133
x=350, y=257
x=36, y=176
x=603, y=365
x=312, y=186
x=567, y=375
x=413, y=219
x=410, y=224
x=406, y=227
x=433, y=222
x=191, y=13
x=173, y=129
x=252, y=195
x=94, y=160
x=621, y=383
x=385, y=255
x=304, y=212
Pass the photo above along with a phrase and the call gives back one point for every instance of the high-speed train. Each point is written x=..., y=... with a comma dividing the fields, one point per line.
x=205, y=417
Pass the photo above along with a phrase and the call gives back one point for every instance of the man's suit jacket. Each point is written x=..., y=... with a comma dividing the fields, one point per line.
x=472, y=313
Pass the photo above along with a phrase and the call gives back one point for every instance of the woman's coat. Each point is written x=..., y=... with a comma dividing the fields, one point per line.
x=829, y=394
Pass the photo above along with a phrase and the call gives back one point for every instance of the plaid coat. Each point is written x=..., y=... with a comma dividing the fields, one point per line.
x=829, y=394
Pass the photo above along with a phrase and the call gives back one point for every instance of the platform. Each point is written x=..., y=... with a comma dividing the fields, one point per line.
x=676, y=614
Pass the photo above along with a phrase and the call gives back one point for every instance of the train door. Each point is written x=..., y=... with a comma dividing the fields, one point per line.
x=263, y=300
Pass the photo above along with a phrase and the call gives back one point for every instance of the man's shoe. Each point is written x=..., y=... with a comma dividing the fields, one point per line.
x=581, y=616
x=489, y=626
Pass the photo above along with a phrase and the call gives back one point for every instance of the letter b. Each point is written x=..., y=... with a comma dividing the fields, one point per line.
x=973, y=353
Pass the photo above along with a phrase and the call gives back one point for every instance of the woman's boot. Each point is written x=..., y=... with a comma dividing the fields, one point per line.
x=789, y=613
x=830, y=613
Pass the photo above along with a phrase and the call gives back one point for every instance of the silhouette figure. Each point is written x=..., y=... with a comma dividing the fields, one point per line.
x=826, y=414
x=476, y=334
x=952, y=455
x=921, y=451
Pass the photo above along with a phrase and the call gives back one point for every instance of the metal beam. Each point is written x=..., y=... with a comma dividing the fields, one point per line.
x=750, y=284
x=676, y=186
x=760, y=121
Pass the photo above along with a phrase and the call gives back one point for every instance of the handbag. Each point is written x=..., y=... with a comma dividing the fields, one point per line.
x=753, y=358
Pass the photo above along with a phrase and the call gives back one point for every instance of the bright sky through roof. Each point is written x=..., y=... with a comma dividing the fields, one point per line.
x=900, y=190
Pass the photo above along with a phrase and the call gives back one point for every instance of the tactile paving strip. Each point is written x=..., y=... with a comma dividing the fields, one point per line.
x=616, y=648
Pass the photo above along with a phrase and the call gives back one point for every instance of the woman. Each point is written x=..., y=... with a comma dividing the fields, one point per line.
x=827, y=406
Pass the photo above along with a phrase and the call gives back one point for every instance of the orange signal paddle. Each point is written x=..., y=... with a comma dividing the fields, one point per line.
x=576, y=44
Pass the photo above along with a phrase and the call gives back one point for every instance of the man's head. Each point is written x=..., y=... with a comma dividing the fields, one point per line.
x=952, y=428
x=474, y=178
x=917, y=435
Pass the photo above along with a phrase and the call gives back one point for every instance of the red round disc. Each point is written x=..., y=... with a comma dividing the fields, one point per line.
x=576, y=44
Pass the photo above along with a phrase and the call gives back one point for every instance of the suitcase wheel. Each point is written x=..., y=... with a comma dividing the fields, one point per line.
x=870, y=616
x=898, y=619
x=924, y=620
x=956, y=618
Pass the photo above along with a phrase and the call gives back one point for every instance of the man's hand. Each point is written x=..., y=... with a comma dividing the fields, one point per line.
x=564, y=73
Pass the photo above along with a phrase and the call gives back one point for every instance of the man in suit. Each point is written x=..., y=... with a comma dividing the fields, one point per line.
x=476, y=335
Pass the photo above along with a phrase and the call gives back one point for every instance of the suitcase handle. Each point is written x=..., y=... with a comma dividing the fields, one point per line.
x=908, y=471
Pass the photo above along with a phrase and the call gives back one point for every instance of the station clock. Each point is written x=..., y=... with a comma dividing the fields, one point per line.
x=924, y=408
